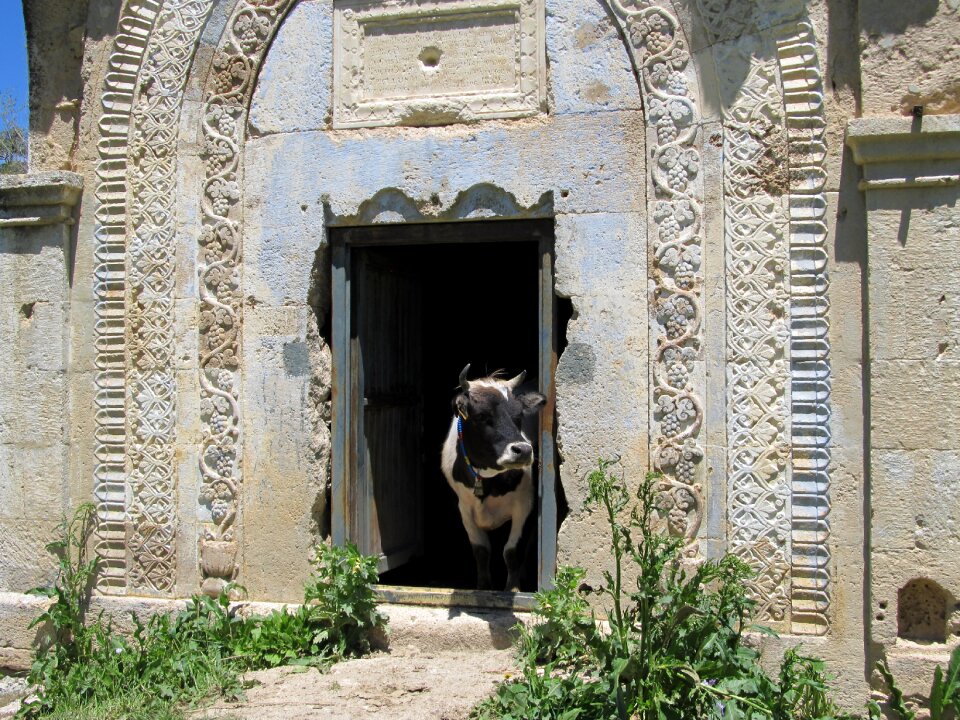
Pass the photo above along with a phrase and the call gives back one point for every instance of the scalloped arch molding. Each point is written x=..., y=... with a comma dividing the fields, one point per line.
x=775, y=477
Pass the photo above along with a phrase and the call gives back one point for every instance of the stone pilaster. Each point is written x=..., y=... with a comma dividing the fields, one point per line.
x=911, y=177
x=36, y=236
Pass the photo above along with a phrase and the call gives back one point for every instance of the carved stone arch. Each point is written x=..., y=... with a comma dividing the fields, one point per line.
x=136, y=480
x=136, y=221
x=777, y=349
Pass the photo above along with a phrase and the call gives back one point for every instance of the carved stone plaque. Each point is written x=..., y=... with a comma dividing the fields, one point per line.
x=435, y=62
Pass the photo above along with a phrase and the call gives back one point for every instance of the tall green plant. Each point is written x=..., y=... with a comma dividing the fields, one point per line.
x=944, y=697
x=69, y=640
x=675, y=646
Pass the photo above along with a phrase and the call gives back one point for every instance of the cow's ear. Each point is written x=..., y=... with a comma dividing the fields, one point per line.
x=532, y=401
x=460, y=403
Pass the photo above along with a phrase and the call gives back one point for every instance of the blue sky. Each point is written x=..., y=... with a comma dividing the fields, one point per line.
x=13, y=53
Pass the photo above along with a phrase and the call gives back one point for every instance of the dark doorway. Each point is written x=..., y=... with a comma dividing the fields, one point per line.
x=416, y=303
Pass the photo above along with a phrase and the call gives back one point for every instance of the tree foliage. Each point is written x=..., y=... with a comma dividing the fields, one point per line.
x=13, y=138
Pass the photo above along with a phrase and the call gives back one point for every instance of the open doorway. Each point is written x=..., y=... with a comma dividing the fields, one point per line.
x=412, y=305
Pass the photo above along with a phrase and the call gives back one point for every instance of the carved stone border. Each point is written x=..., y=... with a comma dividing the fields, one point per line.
x=110, y=283
x=225, y=104
x=756, y=249
x=809, y=330
x=136, y=395
x=668, y=84
x=777, y=327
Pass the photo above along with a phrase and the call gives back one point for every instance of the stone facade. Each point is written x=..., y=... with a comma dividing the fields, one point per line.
x=753, y=207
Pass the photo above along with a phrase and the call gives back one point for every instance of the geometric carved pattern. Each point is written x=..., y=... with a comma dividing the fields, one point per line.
x=757, y=260
x=110, y=238
x=659, y=52
x=777, y=308
x=151, y=233
x=226, y=100
x=809, y=329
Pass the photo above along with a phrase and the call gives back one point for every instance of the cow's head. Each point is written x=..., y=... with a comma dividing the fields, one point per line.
x=493, y=412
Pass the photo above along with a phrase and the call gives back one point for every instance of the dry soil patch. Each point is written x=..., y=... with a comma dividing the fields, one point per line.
x=405, y=683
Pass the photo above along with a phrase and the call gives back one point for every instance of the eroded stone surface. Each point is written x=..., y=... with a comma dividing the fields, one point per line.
x=430, y=63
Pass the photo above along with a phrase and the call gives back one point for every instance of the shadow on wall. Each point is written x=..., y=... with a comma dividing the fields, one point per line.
x=843, y=51
x=57, y=32
x=922, y=611
x=879, y=17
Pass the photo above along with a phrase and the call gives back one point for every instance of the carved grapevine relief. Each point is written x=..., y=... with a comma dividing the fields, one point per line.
x=655, y=40
x=226, y=101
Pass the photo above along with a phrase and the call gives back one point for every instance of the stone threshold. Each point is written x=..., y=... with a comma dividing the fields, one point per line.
x=426, y=628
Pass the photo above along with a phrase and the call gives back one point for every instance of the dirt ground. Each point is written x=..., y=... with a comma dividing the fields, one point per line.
x=405, y=683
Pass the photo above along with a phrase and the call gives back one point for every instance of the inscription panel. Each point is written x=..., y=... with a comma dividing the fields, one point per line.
x=433, y=63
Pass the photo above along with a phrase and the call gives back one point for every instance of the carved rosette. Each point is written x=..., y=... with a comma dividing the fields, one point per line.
x=151, y=232
x=226, y=100
x=660, y=53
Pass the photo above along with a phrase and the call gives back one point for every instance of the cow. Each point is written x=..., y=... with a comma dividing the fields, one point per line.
x=487, y=458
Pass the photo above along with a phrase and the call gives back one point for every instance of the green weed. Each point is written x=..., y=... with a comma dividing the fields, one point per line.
x=944, y=697
x=171, y=662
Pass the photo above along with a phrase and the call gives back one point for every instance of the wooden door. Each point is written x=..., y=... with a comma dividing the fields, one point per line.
x=386, y=393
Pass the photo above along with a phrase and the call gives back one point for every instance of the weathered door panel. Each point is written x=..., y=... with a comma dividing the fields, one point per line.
x=387, y=413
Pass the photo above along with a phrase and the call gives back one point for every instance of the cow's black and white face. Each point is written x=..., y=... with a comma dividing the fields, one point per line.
x=493, y=414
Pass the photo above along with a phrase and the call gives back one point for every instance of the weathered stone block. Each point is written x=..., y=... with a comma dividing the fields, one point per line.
x=293, y=90
x=347, y=171
x=911, y=404
x=32, y=407
x=916, y=501
x=17, y=641
x=590, y=70
x=39, y=339
x=904, y=58
x=32, y=266
x=24, y=561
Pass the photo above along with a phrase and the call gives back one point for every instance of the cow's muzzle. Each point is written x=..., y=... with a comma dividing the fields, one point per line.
x=516, y=455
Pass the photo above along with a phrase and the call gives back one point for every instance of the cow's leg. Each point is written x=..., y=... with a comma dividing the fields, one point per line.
x=481, y=548
x=512, y=553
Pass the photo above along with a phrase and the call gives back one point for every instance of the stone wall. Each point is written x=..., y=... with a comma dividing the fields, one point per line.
x=911, y=183
x=36, y=249
x=761, y=310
